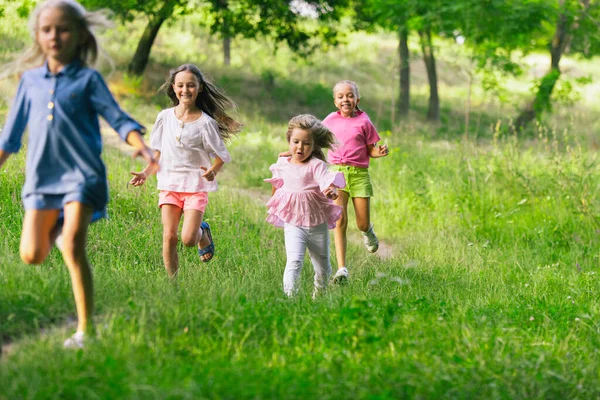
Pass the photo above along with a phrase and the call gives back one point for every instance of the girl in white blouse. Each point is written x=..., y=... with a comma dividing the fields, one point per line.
x=185, y=138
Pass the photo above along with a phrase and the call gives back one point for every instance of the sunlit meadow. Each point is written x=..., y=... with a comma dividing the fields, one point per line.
x=489, y=291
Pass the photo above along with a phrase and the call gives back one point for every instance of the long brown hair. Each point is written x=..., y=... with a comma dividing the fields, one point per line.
x=210, y=100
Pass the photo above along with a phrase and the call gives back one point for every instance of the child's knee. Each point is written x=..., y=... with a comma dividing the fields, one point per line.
x=170, y=238
x=189, y=240
x=363, y=226
x=30, y=255
x=342, y=222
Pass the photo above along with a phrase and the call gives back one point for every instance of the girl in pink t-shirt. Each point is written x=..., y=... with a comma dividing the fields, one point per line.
x=186, y=138
x=302, y=188
x=357, y=142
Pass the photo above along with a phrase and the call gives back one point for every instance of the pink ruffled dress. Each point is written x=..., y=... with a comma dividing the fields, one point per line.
x=299, y=199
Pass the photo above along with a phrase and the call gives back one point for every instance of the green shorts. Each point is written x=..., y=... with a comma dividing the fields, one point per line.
x=358, y=181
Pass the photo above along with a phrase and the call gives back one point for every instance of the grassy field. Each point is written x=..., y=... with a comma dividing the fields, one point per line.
x=490, y=291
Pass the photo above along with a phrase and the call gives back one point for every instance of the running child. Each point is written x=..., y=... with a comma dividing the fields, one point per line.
x=184, y=138
x=357, y=142
x=302, y=188
x=66, y=185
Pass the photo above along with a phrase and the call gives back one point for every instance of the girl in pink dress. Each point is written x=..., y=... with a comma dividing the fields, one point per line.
x=303, y=188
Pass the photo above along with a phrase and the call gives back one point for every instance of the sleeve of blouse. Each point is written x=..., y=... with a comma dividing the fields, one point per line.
x=326, y=178
x=157, y=132
x=11, y=135
x=105, y=104
x=276, y=180
x=371, y=134
x=214, y=143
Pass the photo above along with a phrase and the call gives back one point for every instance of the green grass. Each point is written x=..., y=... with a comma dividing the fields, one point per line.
x=470, y=306
x=490, y=292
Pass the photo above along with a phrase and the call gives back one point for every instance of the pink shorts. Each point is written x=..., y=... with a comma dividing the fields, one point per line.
x=185, y=201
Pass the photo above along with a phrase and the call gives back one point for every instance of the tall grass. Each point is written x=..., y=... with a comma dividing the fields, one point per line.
x=490, y=291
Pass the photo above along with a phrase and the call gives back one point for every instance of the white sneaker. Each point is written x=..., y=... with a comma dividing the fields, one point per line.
x=371, y=240
x=341, y=276
x=75, y=341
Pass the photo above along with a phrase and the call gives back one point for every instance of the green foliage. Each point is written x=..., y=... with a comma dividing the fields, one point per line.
x=585, y=36
x=25, y=8
x=490, y=290
x=127, y=10
x=278, y=20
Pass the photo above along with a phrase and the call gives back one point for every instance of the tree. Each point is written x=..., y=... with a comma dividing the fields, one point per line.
x=496, y=29
x=302, y=25
x=431, y=17
x=394, y=16
x=277, y=19
x=433, y=109
x=427, y=19
x=404, y=71
x=156, y=11
x=576, y=30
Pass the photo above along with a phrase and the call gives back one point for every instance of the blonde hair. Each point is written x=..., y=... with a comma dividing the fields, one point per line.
x=210, y=100
x=322, y=137
x=354, y=87
x=84, y=21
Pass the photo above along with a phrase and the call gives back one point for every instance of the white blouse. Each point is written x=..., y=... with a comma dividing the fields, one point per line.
x=184, y=148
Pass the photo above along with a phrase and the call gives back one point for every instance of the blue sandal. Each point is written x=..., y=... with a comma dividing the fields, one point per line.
x=210, y=249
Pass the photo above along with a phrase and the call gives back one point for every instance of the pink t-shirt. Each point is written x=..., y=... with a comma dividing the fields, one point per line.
x=299, y=199
x=353, y=136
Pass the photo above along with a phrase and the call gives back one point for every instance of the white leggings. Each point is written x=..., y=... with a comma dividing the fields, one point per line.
x=297, y=239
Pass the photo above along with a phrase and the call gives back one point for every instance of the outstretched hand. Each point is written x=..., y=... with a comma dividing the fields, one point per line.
x=285, y=154
x=331, y=193
x=209, y=174
x=138, y=178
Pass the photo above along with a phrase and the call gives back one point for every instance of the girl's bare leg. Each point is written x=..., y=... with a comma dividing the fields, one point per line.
x=171, y=215
x=77, y=220
x=190, y=231
x=362, y=209
x=38, y=235
x=339, y=233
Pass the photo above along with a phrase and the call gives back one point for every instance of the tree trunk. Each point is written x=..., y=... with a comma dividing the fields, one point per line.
x=433, y=112
x=404, y=98
x=142, y=53
x=560, y=41
x=227, y=50
x=468, y=106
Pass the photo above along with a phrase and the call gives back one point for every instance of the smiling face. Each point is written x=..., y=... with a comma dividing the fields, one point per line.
x=58, y=37
x=345, y=99
x=301, y=145
x=186, y=87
